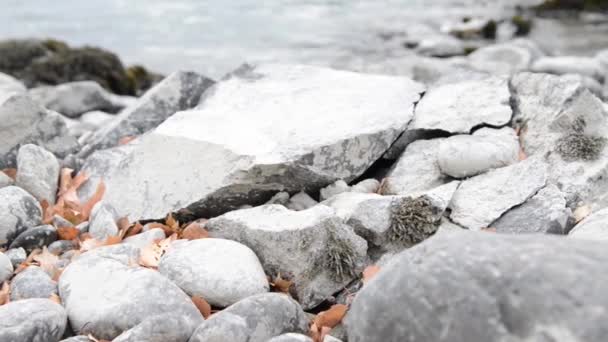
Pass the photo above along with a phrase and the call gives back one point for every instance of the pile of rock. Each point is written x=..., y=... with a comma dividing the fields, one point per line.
x=297, y=179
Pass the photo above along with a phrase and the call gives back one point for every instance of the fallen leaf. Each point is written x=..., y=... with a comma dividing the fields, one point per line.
x=11, y=172
x=28, y=261
x=112, y=240
x=153, y=225
x=282, y=285
x=123, y=226
x=125, y=140
x=135, y=229
x=522, y=155
x=151, y=254
x=5, y=293
x=315, y=333
x=97, y=196
x=55, y=298
x=194, y=231
x=71, y=195
x=47, y=261
x=172, y=223
x=581, y=212
x=489, y=230
x=68, y=233
x=369, y=272
x=88, y=243
x=202, y=306
x=331, y=317
x=47, y=212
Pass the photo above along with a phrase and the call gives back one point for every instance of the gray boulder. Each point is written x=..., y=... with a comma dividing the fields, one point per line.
x=38, y=172
x=9, y=84
x=178, y=91
x=35, y=237
x=79, y=338
x=32, y=282
x=474, y=286
x=463, y=156
x=416, y=170
x=32, y=320
x=254, y=319
x=160, y=328
x=561, y=65
x=96, y=119
x=545, y=212
x=311, y=126
x=481, y=200
x=61, y=246
x=105, y=294
x=18, y=212
x=325, y=254
x=6, y=268
x=461, y=106
x=221, y=271
x=593, y=227
x=22, y=121
x=75, y=98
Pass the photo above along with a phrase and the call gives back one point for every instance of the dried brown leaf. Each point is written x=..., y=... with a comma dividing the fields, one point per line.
x=55, y=298
x=369, y=272
x=47, y=261
x=125, y=140
x=135, y=229
x=68, y=233
x=97, y=196
x=172, y=223
x=65, y=180
x=194, y=231
x=123, y=226
x=151, y=254
x=11, y=172
x=202, y=305
x=282, y=285
x=581, y=212
x=112, y=240
x=5, y=293
x=331, y=317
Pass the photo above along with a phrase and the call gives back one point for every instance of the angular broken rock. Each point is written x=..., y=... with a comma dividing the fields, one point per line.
x=416, y=170
x=325, y=254
x=463, y=156
x=546, y=212
x=75, y=98
x=593, y=227
x=18, y=212
x=254, y=319
x=220, y=271
x=38, y=172
x=481, y=200
x=262, y=130
x=475, y=286
x=33, y=320
x=105, y=293
x=461, y=106
x=22, y=121
x=179, y=91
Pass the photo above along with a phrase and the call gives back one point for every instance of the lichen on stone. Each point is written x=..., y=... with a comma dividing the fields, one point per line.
x=576, y=145
x=340, y=258
x=412, y=220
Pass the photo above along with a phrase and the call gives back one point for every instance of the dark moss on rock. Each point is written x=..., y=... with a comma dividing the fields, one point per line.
x=588, y=5
x=51, y=62
x=489, y=30
x=523, y=25
x=577, y=146
x=413, y=220
x=340, y=258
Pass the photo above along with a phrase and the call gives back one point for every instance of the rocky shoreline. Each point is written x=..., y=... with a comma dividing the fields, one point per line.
x=301, y=203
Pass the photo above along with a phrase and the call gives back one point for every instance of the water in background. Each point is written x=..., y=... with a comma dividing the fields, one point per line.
x=214, y=36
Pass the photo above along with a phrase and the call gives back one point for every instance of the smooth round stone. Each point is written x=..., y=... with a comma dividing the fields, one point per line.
x=221, y=271
x=291, y=337
x=36, y=237
x=32, y=320
x=32, y=282
x=16, y=256
x=18, y=211
x=143, y=239
x=38, y=172
x=61, y=246
x=6, y=268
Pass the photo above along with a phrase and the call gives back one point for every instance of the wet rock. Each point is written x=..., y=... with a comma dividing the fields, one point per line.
x=254, y=319
x=221, y=271
x=481, y=200
x=144, y=239
x=75, y=98
x=5, y=180
x=325, y=254
x=34, y=238
x=61, y=246
x=6, y=268
x=463, y=156
x=416, y=170
x=33, y=320
x=105, y=294
x=561, y=65
x=9, y=84
x=179, y=91
x=291, y=337
x=459, y=107
x=333, y=189
x=295, y=152
x=546, y=212
x=16, y=256
x=161, y=328
x=18, y=211
x=593, y=227
x=34, y=124
x=103, y=221
x=301, y=201
x=38, y=172
x=473, y=286
x=32, y=282
x=501, y=59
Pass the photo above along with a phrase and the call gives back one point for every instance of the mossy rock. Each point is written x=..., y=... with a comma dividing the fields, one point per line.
x=141, y=79
x=522, y=24
x=16, y=55
x=589, y=5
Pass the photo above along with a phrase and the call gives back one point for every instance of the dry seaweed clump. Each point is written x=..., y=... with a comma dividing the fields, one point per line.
x=412, y=220
x=340, y=258
x=576, y=145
